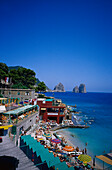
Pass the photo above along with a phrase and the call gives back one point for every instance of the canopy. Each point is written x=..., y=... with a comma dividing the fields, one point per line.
x=40, y=138
x=44, y=153
x=84, y=158
x=48, y=135
x=106, y=158
x=3, y=98
x=56, y=141
x=5, y=127
x=20, y=110
x=68, y=148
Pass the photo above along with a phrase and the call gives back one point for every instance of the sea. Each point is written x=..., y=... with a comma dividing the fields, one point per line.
x=96, y=110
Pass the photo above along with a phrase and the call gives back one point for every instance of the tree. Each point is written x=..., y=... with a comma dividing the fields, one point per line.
x=24, y=76
x=19, y=86
x=41, y=87
x=3, y=70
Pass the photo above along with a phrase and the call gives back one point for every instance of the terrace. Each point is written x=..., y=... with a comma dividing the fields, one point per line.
x=18, y=115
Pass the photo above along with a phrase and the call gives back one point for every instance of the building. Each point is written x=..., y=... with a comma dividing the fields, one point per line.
x=51, y=109
x=5, y=83
x=20, y=94
x=14, y=121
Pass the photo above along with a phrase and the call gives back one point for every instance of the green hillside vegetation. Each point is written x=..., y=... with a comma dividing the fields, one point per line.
x=3, y=71
x=21, y=78
x=37, y=81
x=41, y=87
x=24, y=76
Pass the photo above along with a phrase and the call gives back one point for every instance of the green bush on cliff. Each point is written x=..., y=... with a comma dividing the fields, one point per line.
x=41, y=87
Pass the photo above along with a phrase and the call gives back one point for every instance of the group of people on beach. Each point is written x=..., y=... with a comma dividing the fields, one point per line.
x=57, y=149
x=45, y=136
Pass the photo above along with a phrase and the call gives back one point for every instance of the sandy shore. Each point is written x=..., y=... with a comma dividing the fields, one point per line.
x=63, y=134
x=60, y=132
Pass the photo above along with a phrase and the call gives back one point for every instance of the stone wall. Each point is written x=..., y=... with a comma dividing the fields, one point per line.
x=22, y=94
x=26, y=124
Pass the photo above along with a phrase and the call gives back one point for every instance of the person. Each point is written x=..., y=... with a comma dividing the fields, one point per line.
x=77, y=149
x=86, y=143
x=22, y=132
x=85, y=151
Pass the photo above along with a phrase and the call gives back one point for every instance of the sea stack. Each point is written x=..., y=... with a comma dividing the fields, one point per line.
x=76, y=89
x=82, y=88
x=59, y=88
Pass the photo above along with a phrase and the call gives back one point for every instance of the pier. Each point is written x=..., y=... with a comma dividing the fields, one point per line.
x=69, y=126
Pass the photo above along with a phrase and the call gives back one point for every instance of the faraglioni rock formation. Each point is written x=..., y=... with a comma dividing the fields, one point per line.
x=82, y=88
x=59, y=88
x=76, y=89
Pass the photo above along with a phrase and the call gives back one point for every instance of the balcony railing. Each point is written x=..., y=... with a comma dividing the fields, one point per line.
x=16, y=120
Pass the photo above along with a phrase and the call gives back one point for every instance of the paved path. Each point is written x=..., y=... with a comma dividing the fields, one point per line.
x=8, y=148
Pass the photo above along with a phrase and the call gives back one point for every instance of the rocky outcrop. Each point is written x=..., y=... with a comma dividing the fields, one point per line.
x=82, y=88
x=59, y=88
x=76, y=89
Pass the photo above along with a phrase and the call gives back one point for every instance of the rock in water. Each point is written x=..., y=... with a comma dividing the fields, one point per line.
x=82, y=88
x=76, y=89
x=59, y=88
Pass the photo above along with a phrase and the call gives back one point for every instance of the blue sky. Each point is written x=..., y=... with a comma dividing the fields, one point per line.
x=62, y=41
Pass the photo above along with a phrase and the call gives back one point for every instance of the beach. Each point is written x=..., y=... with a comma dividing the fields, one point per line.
x=74, y=144
x=96, y=110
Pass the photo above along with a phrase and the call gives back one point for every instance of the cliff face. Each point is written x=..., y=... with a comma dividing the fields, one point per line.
x=82, y=88
x=59, y=88
x=76, y=89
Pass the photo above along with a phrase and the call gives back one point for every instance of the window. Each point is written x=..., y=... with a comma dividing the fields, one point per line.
x=27, y=93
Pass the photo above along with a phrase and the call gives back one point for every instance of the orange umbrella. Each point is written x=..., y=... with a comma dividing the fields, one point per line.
x=68, y=148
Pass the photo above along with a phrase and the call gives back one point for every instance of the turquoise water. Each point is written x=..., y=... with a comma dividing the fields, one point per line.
x=96, y=108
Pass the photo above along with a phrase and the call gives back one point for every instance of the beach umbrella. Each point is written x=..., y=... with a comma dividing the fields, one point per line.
x=56, y=141
x=84, y=158
x=40, y=139
x=48, y=135
x=68, y=148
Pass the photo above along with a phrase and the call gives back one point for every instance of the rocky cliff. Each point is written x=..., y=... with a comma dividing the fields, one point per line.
x=59, y=88
x=81, y=89
x=76, y=89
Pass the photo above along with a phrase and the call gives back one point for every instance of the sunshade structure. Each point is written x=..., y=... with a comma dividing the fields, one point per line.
x=106, y=158
x=40, y=139
x=68, y=148
x=43, y=153
x=84, y=158
x=48, y=135
x=20, y=110
x=56, y=141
